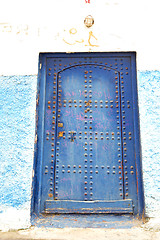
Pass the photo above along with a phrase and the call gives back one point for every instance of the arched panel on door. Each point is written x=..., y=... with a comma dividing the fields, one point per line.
x=88, y=154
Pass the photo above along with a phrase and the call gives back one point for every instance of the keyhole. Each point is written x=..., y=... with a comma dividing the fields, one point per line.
x=72, y=136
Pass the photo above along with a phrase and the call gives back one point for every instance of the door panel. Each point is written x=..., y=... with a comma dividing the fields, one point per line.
x=89, y=135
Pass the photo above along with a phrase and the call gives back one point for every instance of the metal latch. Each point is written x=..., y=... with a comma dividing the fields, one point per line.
x=60, y=124
x=60, y=134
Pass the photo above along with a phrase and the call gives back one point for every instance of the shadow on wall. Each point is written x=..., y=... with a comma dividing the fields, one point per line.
x=17, y=122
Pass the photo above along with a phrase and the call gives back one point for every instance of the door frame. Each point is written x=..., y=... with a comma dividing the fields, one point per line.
x=36, y=195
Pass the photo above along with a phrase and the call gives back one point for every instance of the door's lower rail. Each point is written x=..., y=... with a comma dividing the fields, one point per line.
x=71, y=206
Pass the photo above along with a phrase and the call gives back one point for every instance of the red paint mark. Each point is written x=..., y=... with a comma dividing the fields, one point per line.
x=105, y=94
x=87, y=1
x=68, y=94
x=99, y=126
x=98, y=94
x=105, y=148
x=65, y=179
x=80, y=117
x=68, y=113
x=48, y=111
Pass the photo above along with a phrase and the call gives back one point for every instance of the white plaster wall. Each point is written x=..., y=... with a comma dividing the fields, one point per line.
x=28, y=27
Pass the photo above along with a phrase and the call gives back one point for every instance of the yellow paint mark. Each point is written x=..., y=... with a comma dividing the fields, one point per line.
x=89, y=39
x=81, y=41
x=73, y=31
x=68, y=42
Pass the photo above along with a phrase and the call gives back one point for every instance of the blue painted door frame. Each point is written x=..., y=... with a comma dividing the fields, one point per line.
x=87, y=150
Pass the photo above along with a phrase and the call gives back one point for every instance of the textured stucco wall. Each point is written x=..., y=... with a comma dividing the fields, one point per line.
x=17, y=111
x=149, y=106
x=17, y=122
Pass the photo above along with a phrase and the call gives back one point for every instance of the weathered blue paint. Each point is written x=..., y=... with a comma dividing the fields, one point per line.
x=64, y=166
x=97, y=206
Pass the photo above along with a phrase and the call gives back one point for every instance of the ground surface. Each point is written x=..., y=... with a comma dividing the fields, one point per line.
x=147, y=231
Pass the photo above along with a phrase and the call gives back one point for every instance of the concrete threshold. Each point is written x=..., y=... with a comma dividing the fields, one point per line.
x=112, y=221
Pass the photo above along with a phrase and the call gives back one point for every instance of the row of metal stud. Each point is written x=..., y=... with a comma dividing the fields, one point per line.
x=117, y=90
x=124, y=137
x=50, y=193
x=90, y=101
x=88, y=110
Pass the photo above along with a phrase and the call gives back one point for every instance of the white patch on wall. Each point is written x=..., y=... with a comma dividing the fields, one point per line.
x=14, y=219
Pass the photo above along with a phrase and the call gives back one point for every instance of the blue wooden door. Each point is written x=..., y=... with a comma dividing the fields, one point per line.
x=87, y=152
